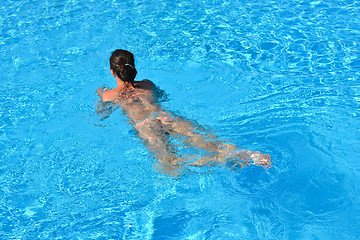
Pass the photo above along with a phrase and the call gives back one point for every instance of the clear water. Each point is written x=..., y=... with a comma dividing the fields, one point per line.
x=281, y=77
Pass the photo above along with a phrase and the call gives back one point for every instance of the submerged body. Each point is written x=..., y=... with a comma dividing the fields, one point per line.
x=161, y=131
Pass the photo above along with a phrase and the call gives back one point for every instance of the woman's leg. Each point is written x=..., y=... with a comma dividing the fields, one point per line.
x=156, y=132
x=150, y=130
x=218, y=151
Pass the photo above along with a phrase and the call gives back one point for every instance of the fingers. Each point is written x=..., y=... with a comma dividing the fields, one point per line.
x=101, y=90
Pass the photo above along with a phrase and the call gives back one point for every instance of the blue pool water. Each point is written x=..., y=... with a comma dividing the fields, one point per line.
x=280, y=77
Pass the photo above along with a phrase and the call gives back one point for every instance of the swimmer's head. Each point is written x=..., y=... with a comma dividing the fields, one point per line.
x=123, y=64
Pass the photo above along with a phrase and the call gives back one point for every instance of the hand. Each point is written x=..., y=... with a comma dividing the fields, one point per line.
x=100, y=90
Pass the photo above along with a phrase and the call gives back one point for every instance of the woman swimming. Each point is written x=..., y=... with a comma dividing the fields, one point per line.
x=174, y=141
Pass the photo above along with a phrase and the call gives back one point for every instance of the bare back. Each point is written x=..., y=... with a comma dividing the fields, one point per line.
x=139, y=101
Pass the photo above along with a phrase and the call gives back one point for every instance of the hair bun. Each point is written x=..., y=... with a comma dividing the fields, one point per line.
x=128, y=73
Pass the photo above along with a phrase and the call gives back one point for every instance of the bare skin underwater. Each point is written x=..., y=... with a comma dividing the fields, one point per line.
x=173, y=140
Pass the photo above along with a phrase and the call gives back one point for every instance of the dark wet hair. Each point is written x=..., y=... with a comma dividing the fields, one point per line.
x=123, y=64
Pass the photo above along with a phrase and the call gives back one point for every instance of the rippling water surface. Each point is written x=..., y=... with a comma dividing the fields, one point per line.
x=275, y=76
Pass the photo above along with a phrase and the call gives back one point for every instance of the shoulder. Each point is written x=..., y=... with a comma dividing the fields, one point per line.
x=145, y=84
x=108, y=95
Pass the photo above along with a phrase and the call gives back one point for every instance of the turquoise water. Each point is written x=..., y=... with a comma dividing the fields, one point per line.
x=275, y=76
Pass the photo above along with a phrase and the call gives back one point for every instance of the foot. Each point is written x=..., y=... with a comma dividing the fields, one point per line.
x=260, y=159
